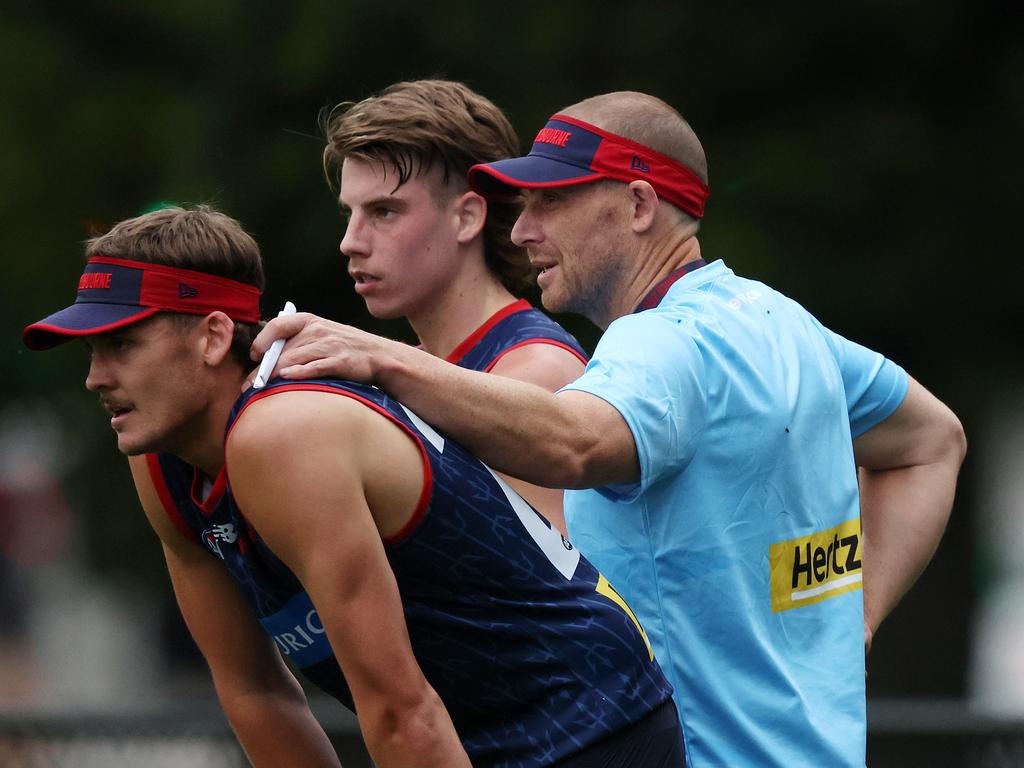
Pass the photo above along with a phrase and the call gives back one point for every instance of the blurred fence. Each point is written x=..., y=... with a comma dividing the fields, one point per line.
x=941, y=734
x=195, y=735
x=901, y=734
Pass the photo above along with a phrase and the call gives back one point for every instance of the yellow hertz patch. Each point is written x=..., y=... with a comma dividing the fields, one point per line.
x=813, y=568
x=604, y=587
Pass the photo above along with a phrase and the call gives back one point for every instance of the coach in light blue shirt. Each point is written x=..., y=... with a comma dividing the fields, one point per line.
x=763, y=490
x=741, y=407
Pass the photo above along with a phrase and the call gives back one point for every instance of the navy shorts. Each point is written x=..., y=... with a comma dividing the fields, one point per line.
x=656, y=741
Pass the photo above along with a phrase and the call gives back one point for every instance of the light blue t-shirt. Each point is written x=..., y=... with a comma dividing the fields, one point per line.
x=739, y=549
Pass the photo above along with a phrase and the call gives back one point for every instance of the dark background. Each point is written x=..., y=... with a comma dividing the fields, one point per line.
x=864, y=159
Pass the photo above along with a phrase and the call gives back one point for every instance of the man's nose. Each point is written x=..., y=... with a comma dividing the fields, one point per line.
x=353, y=243
x=98, y=377
x=525, y=231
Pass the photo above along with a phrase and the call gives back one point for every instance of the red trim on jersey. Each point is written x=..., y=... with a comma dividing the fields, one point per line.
x=657, y=293
x=552, y=342
x=522, y=305
x=428, y=476
x=220, y=485
x=156, y=474
x=422, y=503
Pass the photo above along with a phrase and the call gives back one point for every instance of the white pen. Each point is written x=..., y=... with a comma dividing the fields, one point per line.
x=270, y=356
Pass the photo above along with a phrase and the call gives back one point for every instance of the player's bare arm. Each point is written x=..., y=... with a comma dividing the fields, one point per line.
x=908, y=466
x=569, y=440
x=551, y=367
x=261, y=698
x=305, y=468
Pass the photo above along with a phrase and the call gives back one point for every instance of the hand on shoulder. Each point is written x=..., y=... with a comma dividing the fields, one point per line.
x=317, y=348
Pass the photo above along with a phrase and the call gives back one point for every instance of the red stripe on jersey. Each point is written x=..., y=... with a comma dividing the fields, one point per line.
x=552, y=342
x=214, y=496
x=428, y=476
x=156, y=474
x=522, y=305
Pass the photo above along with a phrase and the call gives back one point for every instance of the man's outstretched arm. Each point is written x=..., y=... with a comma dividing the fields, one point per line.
x=908, y=467
x=569, y=440
x=261, y=698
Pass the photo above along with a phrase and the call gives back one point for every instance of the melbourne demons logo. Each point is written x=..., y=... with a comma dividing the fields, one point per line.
x=212, y=537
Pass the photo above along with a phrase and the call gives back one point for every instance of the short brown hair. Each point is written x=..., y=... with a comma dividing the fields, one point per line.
x=416, y=125
x=200, y=238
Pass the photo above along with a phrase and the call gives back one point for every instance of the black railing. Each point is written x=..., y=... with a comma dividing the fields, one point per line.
x=901, y=734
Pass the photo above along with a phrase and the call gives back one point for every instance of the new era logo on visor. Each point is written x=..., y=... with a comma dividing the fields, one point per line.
x=187, y=291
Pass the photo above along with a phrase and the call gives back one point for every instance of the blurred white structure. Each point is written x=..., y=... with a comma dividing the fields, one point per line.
x=996, y=676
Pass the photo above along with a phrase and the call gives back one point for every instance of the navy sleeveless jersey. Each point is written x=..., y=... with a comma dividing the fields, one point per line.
x=532, y=651
x=513, y=326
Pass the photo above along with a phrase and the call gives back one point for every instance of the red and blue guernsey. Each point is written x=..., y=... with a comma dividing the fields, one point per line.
x=533, y=652
x=511, y=327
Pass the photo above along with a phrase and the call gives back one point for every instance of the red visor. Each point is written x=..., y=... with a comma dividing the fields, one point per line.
x=113, y=293
x=569, y=151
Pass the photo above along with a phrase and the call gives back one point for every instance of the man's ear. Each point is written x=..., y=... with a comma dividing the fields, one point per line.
x=471, y=215
x=217, y=331
x=645, y=205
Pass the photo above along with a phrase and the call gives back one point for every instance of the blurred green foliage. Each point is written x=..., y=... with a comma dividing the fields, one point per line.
x=865, y=159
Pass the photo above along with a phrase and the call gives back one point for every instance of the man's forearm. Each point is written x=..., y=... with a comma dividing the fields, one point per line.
x=904, y=513
x=908, y=469
x=515, y=427
x=566, y=441
x=487, y=414
x=420, y=735
x=279, y=731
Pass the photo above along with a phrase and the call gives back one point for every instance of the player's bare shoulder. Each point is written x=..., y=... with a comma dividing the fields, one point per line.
x=547, y=365
x=324, y=442
x=293, y=418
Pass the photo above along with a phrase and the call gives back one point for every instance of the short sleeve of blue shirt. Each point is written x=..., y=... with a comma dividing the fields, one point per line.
x=875, y=386
x=650, y=370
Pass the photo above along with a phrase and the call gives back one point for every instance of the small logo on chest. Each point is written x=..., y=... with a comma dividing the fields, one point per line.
x=212, y=537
